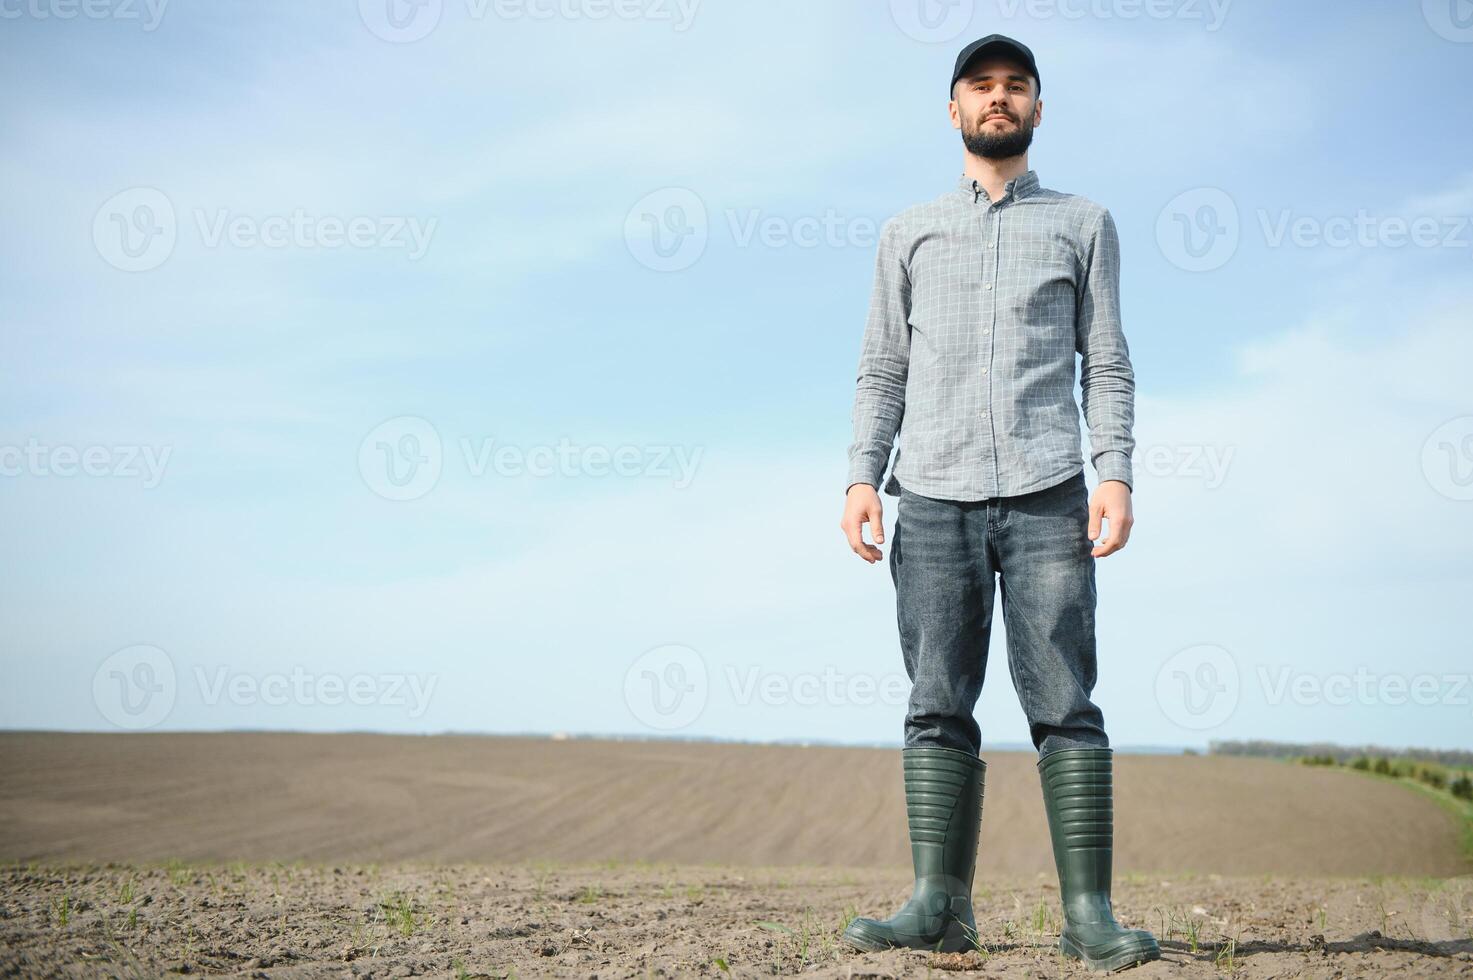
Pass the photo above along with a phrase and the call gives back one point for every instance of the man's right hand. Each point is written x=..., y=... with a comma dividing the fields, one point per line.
x=861, y=507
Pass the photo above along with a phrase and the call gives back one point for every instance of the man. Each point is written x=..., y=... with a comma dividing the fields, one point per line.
x=981, y=300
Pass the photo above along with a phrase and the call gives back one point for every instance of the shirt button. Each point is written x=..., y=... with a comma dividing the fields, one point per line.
x=988, y=286
x=984, y=370
x=991, y=245
x=987, y=330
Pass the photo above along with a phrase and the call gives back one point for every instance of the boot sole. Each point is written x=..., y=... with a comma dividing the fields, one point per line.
x=865, y=942
x=1132, y=954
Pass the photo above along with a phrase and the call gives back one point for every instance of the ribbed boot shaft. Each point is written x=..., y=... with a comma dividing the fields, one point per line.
x=943, y=805
x=935, y=779
x=1081, y=790
x=1078, y=793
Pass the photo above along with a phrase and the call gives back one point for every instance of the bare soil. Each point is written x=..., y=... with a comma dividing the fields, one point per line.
x=257, y=855
x=358, y=798
x=612, y=920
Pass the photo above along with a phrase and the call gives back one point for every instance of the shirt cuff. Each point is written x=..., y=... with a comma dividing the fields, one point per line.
x=1114, y=465
x=865, y=468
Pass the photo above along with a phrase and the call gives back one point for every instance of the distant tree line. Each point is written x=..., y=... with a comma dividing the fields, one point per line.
x=1455, y=758
x=1438, y=770
x=1437, y=776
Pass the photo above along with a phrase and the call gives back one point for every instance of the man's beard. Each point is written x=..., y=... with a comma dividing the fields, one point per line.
x=998, y=146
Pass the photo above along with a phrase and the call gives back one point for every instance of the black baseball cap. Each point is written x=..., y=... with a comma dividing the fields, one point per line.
x=1001, y=44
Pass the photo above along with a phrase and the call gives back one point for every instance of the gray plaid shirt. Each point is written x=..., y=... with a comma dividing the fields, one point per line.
x=977, y=312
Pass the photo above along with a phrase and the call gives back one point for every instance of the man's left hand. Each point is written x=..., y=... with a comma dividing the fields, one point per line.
x=1111, y=501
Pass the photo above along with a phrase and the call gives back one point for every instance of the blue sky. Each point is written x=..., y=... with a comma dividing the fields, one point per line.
x=238, y=553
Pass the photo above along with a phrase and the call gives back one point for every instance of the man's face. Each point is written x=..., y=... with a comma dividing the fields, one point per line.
x=994, y=107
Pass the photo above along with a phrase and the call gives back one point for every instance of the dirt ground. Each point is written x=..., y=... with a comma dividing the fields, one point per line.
x=260, y=855
x=617, y=920
x=353, y=799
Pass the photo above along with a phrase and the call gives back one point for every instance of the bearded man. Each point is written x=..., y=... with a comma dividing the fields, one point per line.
x=982, y=298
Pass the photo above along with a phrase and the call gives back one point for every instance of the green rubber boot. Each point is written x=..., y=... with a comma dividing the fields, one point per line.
x=943, y=803
x=1078, y=795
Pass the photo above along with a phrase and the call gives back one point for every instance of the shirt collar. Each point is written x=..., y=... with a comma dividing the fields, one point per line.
x=1019, y=187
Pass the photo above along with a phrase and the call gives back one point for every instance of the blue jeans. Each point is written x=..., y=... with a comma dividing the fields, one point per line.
x=945, y=558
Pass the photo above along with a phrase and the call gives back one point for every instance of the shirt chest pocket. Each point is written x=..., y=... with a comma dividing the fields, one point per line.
x=1045, y=263
x=1042, y=284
